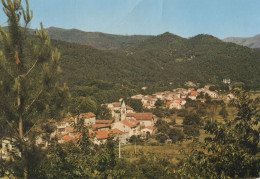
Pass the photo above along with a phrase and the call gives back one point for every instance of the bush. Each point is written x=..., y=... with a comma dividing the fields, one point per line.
x=161, y=138
x=176, y=135
x=192, y=119
x=134, y=139
x=162, y=126
x=191, y=131
x=182, y=113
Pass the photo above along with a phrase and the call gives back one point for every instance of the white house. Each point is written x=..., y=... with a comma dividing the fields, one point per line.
x=128, y=126
x=145, y=119
x=212, y=94
x=230, y=96
x=8, y=148
x=149, y=130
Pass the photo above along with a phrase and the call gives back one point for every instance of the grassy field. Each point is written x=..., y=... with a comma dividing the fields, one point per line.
x=169, y=151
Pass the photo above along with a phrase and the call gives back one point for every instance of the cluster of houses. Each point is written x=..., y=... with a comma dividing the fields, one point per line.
x=175, y=99
x=126, y=123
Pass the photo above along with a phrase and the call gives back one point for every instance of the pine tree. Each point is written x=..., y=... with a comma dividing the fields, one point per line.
x=29, y=71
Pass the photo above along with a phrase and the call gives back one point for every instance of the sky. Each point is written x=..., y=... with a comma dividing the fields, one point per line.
x=186, y=18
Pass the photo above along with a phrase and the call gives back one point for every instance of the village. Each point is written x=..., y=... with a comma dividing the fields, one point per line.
x=124, y=124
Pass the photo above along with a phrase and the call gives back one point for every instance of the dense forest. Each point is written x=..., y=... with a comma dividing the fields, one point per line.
x=162, y=62
x=167, y=57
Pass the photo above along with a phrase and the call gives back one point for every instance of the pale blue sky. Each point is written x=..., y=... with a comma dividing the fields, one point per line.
x=221, y=18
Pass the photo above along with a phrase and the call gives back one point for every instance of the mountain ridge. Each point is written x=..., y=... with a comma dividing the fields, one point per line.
x=98, y=40
x=251, y=42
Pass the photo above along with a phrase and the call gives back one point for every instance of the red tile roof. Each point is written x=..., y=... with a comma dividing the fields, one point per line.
x=104, y=121
x=116, y=104
x=130, y=123
x=148, y=97
x=115, y=131
x=169, y=103
x=193, y=93
x=67, y=138
x=69, y=129
x=129, y=108
x=102, y=134
x=159, y=93
x=87, y=115
x=150, y=127
x=140, y=116
x=177, y=102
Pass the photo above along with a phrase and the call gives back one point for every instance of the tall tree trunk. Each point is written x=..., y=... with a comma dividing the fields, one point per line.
x=25, y=169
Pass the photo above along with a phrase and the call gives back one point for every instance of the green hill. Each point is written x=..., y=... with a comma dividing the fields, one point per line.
x=203, y=59
x=95, y=39
x=162, y=62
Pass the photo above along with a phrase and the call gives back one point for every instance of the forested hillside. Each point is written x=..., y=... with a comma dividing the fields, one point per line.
x=167, y=57
x=203, y=59
x=160, y=63
x=96, y=39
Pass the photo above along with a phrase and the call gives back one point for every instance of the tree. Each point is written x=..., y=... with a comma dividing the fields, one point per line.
x=162, y=126
x=29, y=69
x=161, y=137
x=104, y=113
x=158, y=103
x=176, y=135
x=191, y=131
x=86, y=104
x=223, y=112
x=208, y=98
x=192, y=119
x=136, y=104
x=233, y=151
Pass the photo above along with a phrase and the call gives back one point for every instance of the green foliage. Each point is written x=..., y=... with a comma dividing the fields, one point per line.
x=104, y=113
x=152, y=63
x=192, y=119
x=208, y=98
x=162, y=126
x=81, y=159
x=158, y=103
x=223, y=112
x=136, y=104
x=29, y=92
x=136, y=140
x=86, y=104
x=176, y=135
x=233, y=151
x=161, y=137
x=191, y=131
x=182, y=112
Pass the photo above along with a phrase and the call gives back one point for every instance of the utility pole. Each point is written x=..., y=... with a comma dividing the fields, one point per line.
x=119, y=148
x=135, y=148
